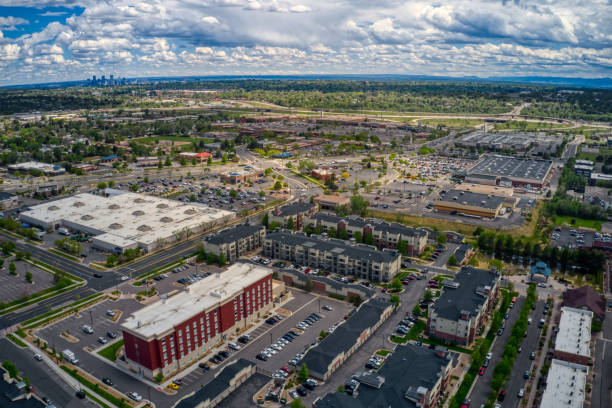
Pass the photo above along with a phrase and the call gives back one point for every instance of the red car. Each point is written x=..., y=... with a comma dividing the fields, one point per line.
x=482, y=370
x=405, y=282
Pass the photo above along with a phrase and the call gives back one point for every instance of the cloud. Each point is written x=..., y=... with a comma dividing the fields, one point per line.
x=173, y=37
x=10, y=23
x=53, y=13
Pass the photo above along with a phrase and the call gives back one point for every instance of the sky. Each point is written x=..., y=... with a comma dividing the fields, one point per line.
x=50, y=40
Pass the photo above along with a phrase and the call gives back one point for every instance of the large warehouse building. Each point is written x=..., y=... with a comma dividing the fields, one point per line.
x=474, y=204
x=511, y=171
x=172, y=333
x=126, y=220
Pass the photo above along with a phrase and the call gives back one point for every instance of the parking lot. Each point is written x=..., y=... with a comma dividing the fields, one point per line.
x=97, y=318
x=16, y=287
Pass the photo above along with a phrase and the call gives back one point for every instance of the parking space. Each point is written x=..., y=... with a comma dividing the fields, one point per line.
x=13, y=287
x=97, y=318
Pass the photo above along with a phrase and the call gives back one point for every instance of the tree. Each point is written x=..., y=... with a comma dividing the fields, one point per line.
x=452, y=260
x=402, y=246
x=111, y=260
x=11, y=368
x=28, y=276
x=416, y=310
x=134, y=187
x=297, y=403
x=1, y=263
x=428, y=295
x=262, y=193
x=396, y=284
x=233, y=193
x=12, y=268
x=358, y=236
x=168, y=162
x=265, y=220
x=395, y=299
x=290, y=223
x=268, y=171
x=224, y=158
x=111, y=183
x=194, y=161
x=359, y=205
x=369, y=239
x=211, y=258
x=308, y=285
x=278, y=185
x=303, y=373
x=222, y=259
x=101, y=185
x=441, y=239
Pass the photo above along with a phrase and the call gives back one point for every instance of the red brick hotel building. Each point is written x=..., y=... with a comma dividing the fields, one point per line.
x=172, y=333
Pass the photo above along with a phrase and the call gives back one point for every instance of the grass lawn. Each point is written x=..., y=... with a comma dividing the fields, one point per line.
x=413, y=333
x=529, y=125
x=452, y=123
x=383, y=353
x=578, y=222
x=110, y=352
x=419, y=221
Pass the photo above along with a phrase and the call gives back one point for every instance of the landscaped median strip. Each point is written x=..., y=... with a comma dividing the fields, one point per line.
x=110, y=351
x=95, y=387
x=62, y=311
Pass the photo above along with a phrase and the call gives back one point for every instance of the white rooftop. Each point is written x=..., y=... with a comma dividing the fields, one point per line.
x=158, y=318
x=130, y=216
x=574, y=335
x=565, y=385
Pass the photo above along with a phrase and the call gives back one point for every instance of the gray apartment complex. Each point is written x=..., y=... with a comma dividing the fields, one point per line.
x=236, y=241
x=333, y=255
x=384, y=234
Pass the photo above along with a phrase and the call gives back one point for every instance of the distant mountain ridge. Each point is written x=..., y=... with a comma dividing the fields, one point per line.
x=603, y=83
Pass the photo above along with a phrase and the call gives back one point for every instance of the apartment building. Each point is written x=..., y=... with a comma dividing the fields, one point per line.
x=463, y=305
x=236, y=241
x=384, y=234
x=292, y=215
x=170, y=334
x=333, y=255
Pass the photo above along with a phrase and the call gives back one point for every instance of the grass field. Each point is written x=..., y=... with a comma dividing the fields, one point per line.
x=441, y=225
x=578, y=222
x=110, y=352
x=452, y=123
x=593, y=156
x=521, y=125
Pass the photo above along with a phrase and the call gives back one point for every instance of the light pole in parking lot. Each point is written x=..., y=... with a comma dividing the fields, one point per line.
x=91, y=318
x=319, y=299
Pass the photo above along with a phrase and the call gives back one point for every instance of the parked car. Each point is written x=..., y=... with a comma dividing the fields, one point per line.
x=88, y=329
x=102, y=340
x=111, y=334
x=107, y=381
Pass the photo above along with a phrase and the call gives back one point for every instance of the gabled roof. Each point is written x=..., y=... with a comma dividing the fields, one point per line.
x=585, y=296
x=216, y=386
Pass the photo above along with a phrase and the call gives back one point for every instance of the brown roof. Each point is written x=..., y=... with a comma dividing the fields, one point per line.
x=332, y=199
x=585, y=296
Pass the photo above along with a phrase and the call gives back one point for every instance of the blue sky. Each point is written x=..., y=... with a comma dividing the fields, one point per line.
x=50, y=40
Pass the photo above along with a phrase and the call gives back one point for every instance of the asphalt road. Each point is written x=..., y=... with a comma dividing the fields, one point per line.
x=43, y=379
x=602, y=383
x=482, y=388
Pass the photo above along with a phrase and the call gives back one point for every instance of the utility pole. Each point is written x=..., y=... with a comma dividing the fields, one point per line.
x=91, y=318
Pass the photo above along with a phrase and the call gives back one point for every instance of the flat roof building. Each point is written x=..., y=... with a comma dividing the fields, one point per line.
x=126, y=220
x=331, y=201
x=497, y=141
x=45, y=168
x=8, y=200
x=463, y=305
x=241, y=176
x=235, y=241
x=172, y=333
x=565, y=385
x=470, y=203
x=333, y=255
x=512, y=171
x=573, y=341
x=412, y=377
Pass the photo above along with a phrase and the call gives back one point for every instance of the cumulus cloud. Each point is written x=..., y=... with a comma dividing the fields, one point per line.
x=462, y=37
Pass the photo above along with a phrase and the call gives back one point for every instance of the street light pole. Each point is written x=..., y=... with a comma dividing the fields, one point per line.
x=91, y=318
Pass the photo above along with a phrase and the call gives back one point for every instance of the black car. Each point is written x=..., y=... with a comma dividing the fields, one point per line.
x=262, y=357
x=224, y=354
x=270, y=320
x=308, y=385
x=302, y=391
x=107, y=381
x=216, y=359
x=288, y=338
x=80, y=394
x=203, y=366
x=111, y=334
x=97, y=275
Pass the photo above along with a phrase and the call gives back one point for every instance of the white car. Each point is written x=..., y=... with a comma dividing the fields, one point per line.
x=135, y=396
x=124, y=278
x=38, y=357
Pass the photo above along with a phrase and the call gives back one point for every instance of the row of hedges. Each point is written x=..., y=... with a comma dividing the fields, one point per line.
x=480, y=350
x=503, y=369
